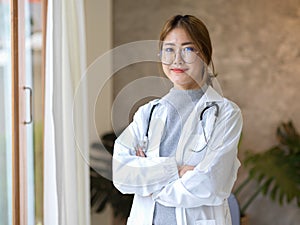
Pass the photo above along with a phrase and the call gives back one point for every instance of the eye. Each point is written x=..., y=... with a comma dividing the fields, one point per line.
x=189, y=49
x=168, y=50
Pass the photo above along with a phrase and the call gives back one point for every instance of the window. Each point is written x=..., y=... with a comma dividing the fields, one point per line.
x=5, y=116
x=21, y=118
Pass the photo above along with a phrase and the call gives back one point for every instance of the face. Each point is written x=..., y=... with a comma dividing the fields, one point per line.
x=184, y=72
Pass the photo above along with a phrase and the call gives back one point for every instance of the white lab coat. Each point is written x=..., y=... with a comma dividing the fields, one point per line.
x=199, y=196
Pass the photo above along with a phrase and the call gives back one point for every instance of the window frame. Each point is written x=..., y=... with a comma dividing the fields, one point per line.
x=19, y=179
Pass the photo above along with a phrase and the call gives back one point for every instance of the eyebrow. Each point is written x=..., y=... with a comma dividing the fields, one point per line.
x=183, y=44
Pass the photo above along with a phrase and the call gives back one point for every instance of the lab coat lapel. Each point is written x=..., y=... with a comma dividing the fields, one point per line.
x=211, y=95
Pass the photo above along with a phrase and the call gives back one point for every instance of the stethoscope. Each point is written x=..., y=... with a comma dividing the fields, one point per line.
x=144, y=143
x=216, y=115
x=212, y=104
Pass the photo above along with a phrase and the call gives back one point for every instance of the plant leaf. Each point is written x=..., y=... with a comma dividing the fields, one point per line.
x=277, y=170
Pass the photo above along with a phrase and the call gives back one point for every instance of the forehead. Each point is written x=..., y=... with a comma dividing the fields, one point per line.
x=178, y=36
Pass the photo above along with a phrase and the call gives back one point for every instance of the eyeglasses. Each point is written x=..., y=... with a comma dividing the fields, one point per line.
x=168, y=54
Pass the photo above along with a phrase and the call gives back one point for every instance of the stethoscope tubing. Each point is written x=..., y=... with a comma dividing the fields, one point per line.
x=212, y=104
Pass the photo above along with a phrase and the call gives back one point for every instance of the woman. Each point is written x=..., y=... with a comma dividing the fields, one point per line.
x=179, y=155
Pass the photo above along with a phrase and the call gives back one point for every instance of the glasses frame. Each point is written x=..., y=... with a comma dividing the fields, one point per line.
x=181, y=49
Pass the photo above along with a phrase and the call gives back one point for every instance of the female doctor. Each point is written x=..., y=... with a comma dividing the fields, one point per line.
x=179, y=155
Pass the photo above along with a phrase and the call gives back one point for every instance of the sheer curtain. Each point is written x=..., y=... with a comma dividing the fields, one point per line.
x=66, y=175
x=5, y=116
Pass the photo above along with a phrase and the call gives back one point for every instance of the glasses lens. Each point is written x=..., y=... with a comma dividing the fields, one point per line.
x=188, y=54
x=167, y=55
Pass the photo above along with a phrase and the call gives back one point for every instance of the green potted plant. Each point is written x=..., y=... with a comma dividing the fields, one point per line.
x=102, y=190
x=276, y=171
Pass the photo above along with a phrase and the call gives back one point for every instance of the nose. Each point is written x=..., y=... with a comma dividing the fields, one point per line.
x=178, y=58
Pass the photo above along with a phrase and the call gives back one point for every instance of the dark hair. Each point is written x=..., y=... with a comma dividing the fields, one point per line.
x=196, y=29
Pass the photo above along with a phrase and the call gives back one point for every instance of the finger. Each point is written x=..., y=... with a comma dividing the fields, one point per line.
x=181, y=172
x=137, y=153
x=140, y=153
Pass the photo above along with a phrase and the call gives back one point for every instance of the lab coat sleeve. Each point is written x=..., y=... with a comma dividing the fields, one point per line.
x=211, y=181
x=139, y=175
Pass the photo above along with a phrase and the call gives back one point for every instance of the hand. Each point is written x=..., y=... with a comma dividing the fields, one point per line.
x=183, y=169
x=139, y=152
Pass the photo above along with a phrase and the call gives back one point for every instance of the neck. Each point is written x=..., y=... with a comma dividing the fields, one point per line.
x=195, y=86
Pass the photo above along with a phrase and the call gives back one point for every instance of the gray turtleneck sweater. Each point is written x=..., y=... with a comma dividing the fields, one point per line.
x=179, y=104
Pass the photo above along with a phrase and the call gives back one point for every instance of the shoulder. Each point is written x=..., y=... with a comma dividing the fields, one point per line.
x=147, y=107
x=230, y=105
x=230, y=112
x=143, y=112
x=211, y=95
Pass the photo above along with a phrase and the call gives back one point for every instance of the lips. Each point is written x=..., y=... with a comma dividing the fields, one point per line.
x=178, y=70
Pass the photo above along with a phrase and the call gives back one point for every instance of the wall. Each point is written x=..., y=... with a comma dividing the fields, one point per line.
x=99, y=41
x=257, y=57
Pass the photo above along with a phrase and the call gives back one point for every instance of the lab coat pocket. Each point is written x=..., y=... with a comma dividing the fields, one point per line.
x=205, y=222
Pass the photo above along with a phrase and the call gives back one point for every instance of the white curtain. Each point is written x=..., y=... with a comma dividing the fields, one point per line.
x=66, y=175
